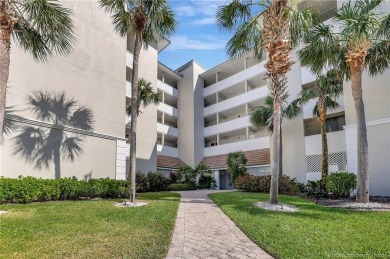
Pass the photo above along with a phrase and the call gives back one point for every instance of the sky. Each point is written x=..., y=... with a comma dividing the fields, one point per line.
x=197, y=36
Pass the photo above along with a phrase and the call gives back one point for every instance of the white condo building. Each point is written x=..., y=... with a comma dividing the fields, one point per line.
x=203, y=115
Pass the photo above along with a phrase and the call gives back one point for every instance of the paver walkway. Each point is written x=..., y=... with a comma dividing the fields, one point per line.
x=203, y=231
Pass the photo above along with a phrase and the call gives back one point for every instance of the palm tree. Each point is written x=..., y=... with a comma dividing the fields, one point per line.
x=146, y=96
x=149, y=21
x=40, y=145
x=43, y=28
x=236, y=162
x=277, y=28
x=261, y=117
x=360, y=43
x=326, y=91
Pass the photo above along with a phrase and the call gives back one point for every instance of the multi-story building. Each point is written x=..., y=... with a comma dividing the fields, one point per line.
x=202, y=115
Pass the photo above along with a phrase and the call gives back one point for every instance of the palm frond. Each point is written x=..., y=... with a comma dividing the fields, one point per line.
x=234, y=14
x=45, y=28
x=300, y=24
x=71, y=148
x=42, y=105
x=292, y=111
x=330, y=103
x=378, y=58
x=28, y=142
x=306, y=95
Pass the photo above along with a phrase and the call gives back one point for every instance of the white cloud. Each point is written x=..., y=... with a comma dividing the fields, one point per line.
x=183, y=42
x=205, y=21
x=207, y=8
x=185, y=10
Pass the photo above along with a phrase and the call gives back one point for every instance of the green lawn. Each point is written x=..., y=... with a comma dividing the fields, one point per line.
x=89, y=229
x=313, y=232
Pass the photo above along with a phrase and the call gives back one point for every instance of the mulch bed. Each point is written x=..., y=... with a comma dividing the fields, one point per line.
x=376, y=204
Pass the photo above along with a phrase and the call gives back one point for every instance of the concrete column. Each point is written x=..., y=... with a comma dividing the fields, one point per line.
x=216, y=98
x=246, y=86
x=163, y=118
x=217, y=139
x=216, y=177
x=162, y=139
x=247, y=133
x=245, y=63
x=217, y=117
x=163, y=77
x=163, y=97
x=246, y=110
x=216, y=77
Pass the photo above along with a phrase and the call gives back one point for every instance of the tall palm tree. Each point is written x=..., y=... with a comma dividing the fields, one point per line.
x=41, y=27
x=236, y=162
x=277, y=28
x=149, y=21
x=262, y=117
x=360, y=43
x=146, y=96
x=326, y=91
x=41, y=146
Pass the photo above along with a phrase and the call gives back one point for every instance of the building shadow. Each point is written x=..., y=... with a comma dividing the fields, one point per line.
x=51, y=143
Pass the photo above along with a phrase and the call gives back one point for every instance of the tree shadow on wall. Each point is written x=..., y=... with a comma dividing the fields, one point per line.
x=42, y=146
x=11, y=122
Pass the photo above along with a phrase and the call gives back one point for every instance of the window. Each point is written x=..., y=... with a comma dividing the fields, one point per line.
x=335, y=123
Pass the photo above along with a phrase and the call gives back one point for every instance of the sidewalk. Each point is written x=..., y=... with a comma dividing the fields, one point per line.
x=202, y=230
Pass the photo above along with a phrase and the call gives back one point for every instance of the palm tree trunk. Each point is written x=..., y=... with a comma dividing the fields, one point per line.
x=134, y=112
x=325, y=167
x=5, y=45
x=275, y=152
x=281, y=151
x=362, y=194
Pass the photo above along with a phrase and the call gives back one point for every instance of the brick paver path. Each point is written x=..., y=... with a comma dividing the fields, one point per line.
x=203, y=231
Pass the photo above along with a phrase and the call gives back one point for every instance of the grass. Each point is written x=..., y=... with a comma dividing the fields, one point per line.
x=89, y=229
x=313, y=232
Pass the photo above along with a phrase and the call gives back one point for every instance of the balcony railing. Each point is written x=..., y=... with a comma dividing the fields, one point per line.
x=336, y=143
x=167, y=151
x=129, y=59
x=247, y=97
x=246, y=145
x=228, y=126
x=167, y=88
x=234, y=79
x=167, y=109
x=128, y=89
x=167, y=130
x=127, y=121
x=307, y=76
x=309, y=107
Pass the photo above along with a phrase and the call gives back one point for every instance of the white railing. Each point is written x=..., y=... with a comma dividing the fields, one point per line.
x=309, y=107
x=128, y=89
x=167, y=130
x=167, y=88
x=167, y=151
x=129, y=59
x=167, y=109
x=246, y=145
x=127, y=121
x=247, y=97
x=336, y=143
x=228, y=126
x=234, y=79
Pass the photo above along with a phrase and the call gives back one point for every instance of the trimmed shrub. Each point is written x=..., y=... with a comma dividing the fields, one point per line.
x=29, y=189
x=174, y=177
x=341, y=184
x=206, y=182
x=316, y=190
x=142, y=183
x=252, y=183
x=182, y=187
x=157, y=182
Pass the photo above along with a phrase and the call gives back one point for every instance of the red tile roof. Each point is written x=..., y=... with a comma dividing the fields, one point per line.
x=254, y=157
x=169, y=162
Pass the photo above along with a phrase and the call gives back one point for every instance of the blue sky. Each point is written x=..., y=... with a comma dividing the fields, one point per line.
x=197, y=36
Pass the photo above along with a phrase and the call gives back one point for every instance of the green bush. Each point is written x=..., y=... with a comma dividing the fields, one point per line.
x=252, y=183
x=206, y=182
x=316, y=190
x=29, y=189
x=341, y=184
x=182, y=187
x=157, y=182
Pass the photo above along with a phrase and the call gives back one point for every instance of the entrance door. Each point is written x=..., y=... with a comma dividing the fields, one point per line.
x=222, y=179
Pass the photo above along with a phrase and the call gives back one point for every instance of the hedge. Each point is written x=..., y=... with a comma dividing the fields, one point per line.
x=252, y=183
x=29, y=189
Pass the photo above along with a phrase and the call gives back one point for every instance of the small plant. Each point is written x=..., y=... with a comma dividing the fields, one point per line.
x=174, y=176
x=206, y=182
x=187, y=174
x=315, y=189
x=341, y=184
x=236, y=162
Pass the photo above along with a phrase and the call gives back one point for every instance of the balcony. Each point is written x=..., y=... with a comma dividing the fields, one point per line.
x=309, y=107
x=128, y=89
x=129, y=59
x=246, y=145
x=247, y=97
x=234, y=79
x=127, y=121
x=167, y=130
x=167, y=151
x=307, y=76
x=336, y=143
x=167, y=109
x=167, y=88
x=228, y=126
